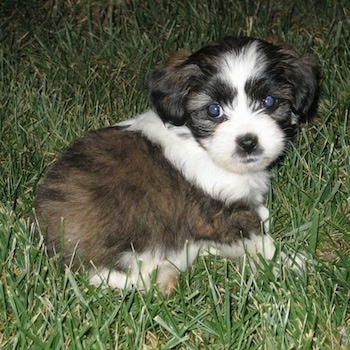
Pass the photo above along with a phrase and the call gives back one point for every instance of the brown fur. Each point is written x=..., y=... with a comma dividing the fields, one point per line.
x=115, y=191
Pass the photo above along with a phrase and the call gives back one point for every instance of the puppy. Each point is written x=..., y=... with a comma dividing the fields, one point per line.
x=136, y=202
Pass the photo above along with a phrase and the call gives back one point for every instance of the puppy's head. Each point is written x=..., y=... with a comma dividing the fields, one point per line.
x=241, y=98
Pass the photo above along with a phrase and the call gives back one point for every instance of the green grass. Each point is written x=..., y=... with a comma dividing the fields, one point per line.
x=74, y=67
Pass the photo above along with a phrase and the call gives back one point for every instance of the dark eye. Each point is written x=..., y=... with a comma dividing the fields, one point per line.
x=269, y=102
x=215, y=111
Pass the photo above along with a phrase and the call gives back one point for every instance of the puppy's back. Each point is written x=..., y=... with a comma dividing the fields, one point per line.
x=104, y=194
x=114, y=192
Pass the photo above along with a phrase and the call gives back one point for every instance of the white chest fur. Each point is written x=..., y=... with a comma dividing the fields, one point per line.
x=183, y=151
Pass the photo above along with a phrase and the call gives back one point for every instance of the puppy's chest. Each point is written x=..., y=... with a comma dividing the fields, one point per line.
x=200, y=172
x=178, y=147
x=169, y=177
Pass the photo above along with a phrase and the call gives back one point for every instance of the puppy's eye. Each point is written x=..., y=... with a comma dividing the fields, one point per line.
x=215, y=111
x=269, y=102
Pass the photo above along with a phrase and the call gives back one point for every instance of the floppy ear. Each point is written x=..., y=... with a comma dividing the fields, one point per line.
x=169, y=86
x=303, y=74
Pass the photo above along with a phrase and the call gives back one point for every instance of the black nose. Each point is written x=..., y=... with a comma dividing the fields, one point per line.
x=247, y=143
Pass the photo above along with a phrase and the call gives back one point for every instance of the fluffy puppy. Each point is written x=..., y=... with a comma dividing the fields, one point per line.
x=148, y=194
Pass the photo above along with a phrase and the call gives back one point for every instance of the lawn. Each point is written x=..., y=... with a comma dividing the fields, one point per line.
x=72, y=66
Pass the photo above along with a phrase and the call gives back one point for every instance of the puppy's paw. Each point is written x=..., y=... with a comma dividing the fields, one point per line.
x=167, y=279
x=294, y=260
x=280, y=262
x=291, y=260
x=105, y=277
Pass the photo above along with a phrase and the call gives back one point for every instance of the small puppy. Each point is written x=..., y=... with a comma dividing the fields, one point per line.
x=148, y=194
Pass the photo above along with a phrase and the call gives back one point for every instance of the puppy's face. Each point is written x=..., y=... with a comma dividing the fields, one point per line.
x=241, y=99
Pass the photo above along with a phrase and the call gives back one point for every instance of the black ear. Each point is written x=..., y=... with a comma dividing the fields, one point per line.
x=169, y=86
x=302, y=72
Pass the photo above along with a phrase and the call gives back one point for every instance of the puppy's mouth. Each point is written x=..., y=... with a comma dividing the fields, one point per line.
x=253, y=158
x=254, y=161
x=250, y=159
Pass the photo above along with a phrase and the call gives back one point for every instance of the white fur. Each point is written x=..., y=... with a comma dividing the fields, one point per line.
x=215, y=164
x=140, y=267
x=237, y=68
x=198, y=167
x=242, y=121
x=184, y=152
x=243, y=117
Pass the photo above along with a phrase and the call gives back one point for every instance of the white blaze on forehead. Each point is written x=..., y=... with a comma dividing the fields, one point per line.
x=237, y=68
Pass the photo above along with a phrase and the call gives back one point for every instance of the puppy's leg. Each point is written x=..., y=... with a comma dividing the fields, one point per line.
x=264, y=215
x=167, y=278
x=289, y=259
x=139, y=274
x=176, y=261
x=260, y=244
x=254, y=245
x=112, y=278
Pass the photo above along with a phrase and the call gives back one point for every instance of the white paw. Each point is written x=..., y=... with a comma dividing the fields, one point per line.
x=293, y=260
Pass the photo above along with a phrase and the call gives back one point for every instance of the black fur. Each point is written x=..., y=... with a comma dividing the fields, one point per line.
x=172, y=86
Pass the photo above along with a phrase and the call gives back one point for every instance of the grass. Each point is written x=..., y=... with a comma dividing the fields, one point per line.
x=67, y=67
